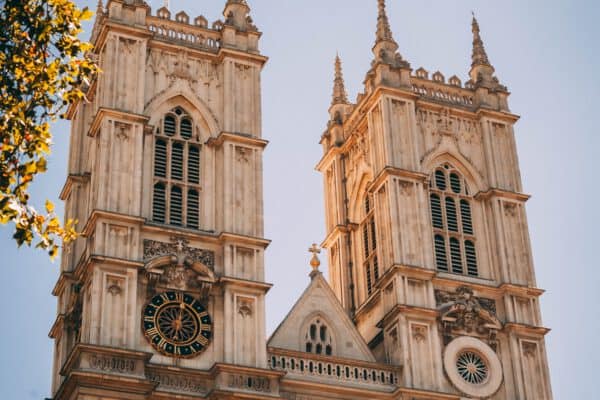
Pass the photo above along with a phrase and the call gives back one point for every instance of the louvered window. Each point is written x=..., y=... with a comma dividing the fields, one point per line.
x=436, y=212
x=176, y=194
x=441, y=260
x=467, y=221
x=159, y=203
x=160, y=159
x=186, y=128
x=176, y=209
x=193, y=208
x=177, y=161
x=471, y=258
x=194, y=165
x=369, y=243
x=170, y=125
x=451, y=216
x=452, y=222
x=455, y=256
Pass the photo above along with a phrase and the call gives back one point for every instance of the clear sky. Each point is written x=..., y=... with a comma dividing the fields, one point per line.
x=545, y=51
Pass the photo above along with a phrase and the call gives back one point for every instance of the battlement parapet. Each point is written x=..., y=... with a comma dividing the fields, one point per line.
x=438, y=89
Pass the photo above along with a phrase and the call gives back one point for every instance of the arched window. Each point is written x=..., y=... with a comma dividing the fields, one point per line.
x=318, y=339
x=369, y=243
x=176, y=194
x=452, y=222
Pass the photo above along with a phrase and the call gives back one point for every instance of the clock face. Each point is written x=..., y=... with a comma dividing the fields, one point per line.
x=177, y=325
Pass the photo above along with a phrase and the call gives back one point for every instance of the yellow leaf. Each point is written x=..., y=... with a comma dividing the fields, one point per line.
x=49, y=207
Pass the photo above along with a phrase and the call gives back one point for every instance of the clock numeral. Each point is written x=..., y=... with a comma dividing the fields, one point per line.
x=152, y=332
x=206, y=327
x=202, y=340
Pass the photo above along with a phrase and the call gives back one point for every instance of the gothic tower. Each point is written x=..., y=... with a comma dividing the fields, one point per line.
x=427, y=233
x=164, y=291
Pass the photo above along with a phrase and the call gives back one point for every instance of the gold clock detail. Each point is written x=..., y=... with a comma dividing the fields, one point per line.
x=177, y=325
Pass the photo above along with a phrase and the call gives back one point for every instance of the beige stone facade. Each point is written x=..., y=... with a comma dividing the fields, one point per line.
x=432, y=291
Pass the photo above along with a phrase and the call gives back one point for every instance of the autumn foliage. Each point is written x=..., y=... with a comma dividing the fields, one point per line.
x=43, y=69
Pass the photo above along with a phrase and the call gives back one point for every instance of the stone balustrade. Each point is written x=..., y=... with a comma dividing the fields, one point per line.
x=438, y=89
x=196, y=36
x=343, y=371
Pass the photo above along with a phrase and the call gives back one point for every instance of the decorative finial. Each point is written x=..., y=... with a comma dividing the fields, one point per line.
x=99, y=7
x=384, y=32
x=315, y=262
x=167, y=4
x=339, y=88
x=386, y=48
x=479, y=56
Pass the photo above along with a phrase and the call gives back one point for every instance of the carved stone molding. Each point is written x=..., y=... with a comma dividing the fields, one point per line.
x=178, y=247
x=177, y=383
x=461, y=313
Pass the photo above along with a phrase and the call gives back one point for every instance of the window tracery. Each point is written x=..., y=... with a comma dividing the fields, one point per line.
x=452, y=222
x=176, y=192
x=318, y=339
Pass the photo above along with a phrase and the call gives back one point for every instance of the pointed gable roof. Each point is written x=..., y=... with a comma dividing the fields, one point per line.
x=319, y=302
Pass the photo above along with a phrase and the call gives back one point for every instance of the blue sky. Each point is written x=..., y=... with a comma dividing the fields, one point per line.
x=546, y=52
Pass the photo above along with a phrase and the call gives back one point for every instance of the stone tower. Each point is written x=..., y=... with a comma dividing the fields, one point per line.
x=164, y=291
x=427, y=233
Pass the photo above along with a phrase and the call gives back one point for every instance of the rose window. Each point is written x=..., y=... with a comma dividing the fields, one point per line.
x=472, y=368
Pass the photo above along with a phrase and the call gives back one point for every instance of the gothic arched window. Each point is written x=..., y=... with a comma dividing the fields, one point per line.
x=368, y=231
x=176, y=194
x=452, y=222
x=318, y=338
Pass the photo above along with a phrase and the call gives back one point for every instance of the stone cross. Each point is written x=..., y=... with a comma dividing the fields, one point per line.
x=315, y=262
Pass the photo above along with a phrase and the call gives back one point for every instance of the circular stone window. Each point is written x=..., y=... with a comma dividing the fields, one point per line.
x=473, y=367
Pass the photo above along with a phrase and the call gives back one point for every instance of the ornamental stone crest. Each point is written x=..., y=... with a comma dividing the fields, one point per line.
x=175, y=265
x=462, y=313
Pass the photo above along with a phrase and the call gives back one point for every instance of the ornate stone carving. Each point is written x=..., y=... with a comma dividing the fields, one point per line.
x=112, y=364
x=175, y=265
x=242, y=154
x=529, y=349
x=463, y=313
x=405, y=188
x=121, y=131
x=177, y=383
x=419, y=333
x=510, y=209
x=445, y=122
x=245, y=307
x=253, y=383
x=179, y=247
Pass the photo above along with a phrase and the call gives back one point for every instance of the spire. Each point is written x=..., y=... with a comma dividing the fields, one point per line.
x=167, y=4
x=339, y=88
x=482, y=72
x=99, y=8
x=479, y=56
x=384, y=33
x=386, y=48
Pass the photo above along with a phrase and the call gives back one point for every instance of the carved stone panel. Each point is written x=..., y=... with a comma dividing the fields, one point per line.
x=461, y=313
x=179, y=247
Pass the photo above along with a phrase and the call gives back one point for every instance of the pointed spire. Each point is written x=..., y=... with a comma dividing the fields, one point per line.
x=339, y=88
x=99, y=7
x=384, y=32
x=479, y=56
x=386, y=48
